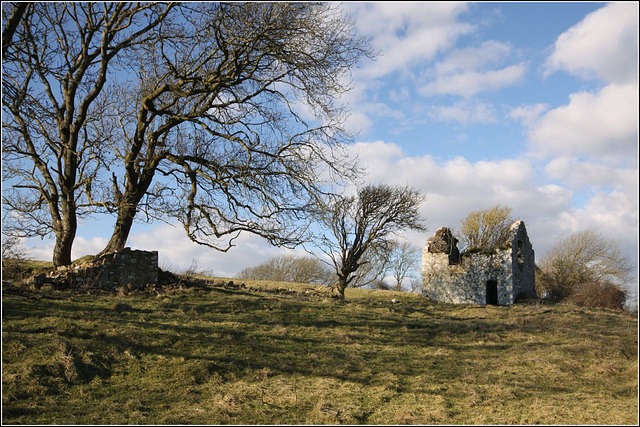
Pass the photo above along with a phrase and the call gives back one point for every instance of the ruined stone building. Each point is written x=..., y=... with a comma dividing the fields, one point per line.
x=497, y=278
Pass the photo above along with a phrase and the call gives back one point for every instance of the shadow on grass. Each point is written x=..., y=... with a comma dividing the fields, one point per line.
x=239, y=332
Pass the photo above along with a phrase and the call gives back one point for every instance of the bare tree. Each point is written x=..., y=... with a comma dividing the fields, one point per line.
x=403, y=261
x=290, y=268
x=373, y=267
x=415, y=285
x=53, y=75
x=221, y=115
x=486, y=230
x=357, y=227
x=213, y=120
x=583, y=257
x=12, y=24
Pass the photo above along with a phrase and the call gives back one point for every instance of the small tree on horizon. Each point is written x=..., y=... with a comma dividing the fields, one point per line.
x=357, y=227
x=402, y=263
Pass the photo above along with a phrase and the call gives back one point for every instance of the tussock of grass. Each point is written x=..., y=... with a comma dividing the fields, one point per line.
x=282, y=353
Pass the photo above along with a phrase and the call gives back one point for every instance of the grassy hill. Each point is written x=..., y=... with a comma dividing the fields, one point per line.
x=281, y=353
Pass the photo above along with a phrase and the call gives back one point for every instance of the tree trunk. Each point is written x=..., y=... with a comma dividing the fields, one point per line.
x=62, y=248
x=66, y=228
x=340, y=286
x=122, y=229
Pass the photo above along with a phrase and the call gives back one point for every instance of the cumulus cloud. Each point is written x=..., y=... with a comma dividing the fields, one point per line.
x=452, y=188
x=468, y=71
x=177, y=252
x=528, y=114
x=43, y=249
x=455, y=187
x=400, y=95
x=580, y=174
x=603, y=123
x=407, y=33
x=473, y=58
x=603, y=45
x=470, y=83
x=464, y=112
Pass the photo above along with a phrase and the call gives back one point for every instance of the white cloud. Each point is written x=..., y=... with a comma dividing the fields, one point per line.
x=358, y=122
x=177, y=252
x=43, y=249
x=400, y=95
x=579, y=174
x=602, y=124
x=456, y=187
x=468, y=71
x=470, y=83
x=453, y=188
x=407, y=33
x=604, y=45
x=464, y=112
x=382, y=110
x=473, y=58
x=528, y=114
x=404, y=35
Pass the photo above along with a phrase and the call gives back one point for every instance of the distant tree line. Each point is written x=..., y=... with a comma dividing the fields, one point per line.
x=290, y=268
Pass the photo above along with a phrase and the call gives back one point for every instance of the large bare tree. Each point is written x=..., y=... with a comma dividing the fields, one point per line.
x=224, y=116
x=355, y=228
x=231, y=120
x=54, y=72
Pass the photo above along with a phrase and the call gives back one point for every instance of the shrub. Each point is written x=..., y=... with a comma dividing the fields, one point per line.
x=581, y=258
x=602, y=294
x=486, y=230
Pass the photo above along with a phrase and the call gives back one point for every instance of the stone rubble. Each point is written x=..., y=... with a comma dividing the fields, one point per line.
x=133, y=269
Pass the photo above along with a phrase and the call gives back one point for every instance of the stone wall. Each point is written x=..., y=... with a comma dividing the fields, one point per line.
x=524, y=262
x=509, y=272
x=131, y=268
x=465, y=283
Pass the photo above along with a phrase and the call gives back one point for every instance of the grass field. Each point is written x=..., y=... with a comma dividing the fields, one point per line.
x=280, y=353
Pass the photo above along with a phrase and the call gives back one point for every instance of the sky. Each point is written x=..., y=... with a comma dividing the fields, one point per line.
x=528, y=105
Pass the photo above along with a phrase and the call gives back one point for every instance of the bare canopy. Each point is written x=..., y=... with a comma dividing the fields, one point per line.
x=223, y=116
x=358, y=227
x=54, y=72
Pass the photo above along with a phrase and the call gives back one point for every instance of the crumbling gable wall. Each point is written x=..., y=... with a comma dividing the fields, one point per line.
x=467, y=279
x=523, y=261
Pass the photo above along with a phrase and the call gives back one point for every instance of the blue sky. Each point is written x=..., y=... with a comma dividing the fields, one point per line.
x=529, y=105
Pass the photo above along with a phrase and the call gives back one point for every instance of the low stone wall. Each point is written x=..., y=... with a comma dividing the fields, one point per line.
x=131, y=268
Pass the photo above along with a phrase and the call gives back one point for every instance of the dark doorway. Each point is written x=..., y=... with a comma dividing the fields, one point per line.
x=492, y=292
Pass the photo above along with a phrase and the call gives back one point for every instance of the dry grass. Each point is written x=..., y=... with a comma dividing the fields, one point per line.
x=282, y=353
